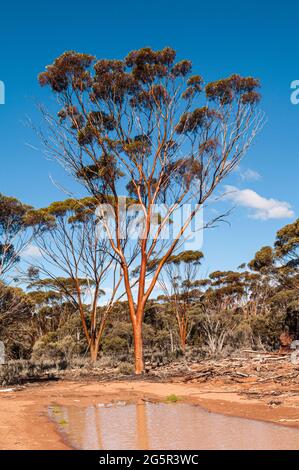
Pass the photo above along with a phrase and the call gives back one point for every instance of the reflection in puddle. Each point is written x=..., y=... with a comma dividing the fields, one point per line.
x=165, y=426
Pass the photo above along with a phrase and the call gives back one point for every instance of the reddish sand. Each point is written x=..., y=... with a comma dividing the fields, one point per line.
x=24, y=421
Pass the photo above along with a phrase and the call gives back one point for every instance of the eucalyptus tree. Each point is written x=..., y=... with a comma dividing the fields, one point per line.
x=15, y=232
x=286, y=253
x=278, y=266
x=15, y=319
x=147, y=127
x=180, y=284
x=74, y=262
x=280, y=262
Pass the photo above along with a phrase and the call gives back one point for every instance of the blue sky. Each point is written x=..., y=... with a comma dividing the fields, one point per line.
x=220, y=38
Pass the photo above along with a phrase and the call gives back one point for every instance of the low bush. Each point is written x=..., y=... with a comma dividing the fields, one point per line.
x=49, y=346
x=126, y=368
x=20, y=371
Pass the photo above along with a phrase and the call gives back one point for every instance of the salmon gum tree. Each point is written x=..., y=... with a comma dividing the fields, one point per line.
x=148, y=128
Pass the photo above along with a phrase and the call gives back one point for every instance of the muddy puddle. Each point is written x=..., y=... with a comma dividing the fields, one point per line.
x=165, y=426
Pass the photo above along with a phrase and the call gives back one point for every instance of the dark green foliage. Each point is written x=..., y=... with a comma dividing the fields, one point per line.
x=13, y=225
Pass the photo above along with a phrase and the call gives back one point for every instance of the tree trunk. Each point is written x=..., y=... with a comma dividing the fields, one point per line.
x=182, y=323
x=138, y=349
x=94, y=349
x=171, y=341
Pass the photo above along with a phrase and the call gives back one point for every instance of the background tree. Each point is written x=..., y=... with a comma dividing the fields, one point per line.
x=254, y=308
x=286, y=254
x=50, y=307
x=75, y=262
x=147, y=124
x=15, y=322
x=278, y=267
x=15, y=233
x=179, y=282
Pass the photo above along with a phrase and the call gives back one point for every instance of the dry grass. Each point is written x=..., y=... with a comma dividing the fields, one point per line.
x=17, y=372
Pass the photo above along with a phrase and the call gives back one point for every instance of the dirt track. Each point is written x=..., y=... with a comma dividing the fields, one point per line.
x=24, y=422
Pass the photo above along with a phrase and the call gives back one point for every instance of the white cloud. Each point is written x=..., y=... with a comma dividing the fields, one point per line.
x=32, y=251
x=262, y=208
x=249, y=175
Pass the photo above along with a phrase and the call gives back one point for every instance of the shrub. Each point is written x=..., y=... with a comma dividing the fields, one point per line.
x=126, y=368
x=49, y=347
x=21, y=371
x=266, y=329
x=172, y=398
x=114, y=344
